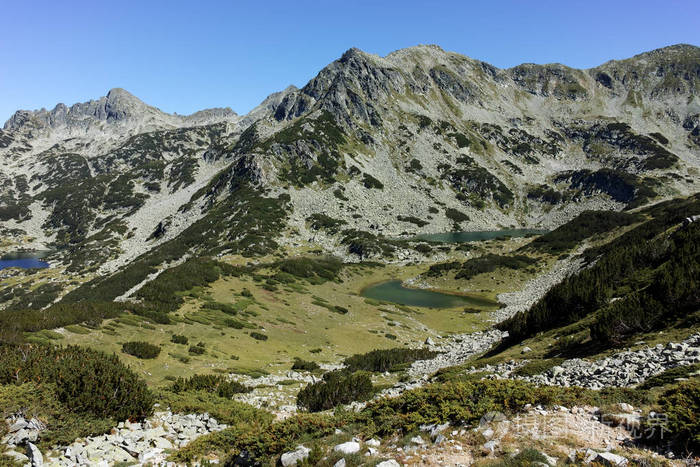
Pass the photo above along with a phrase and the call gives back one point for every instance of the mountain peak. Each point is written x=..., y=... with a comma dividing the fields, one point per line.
x=117, y=105
x=353, y=54
x=117, y=93
x=120, y=104
x=352, y=51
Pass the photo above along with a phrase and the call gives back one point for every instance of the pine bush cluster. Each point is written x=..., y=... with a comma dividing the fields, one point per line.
x=218, y=383
x=653, y=271
x=304, y=365
x=86, y=380
x=386, y=359
x=141, y=349
x=337, y=388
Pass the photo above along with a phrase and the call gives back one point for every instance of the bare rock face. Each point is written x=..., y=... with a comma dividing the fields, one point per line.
x=610, y=459
x=295, y=457
x=117, y=105
x=34, y=454
x=350, y=447
x=22, y=430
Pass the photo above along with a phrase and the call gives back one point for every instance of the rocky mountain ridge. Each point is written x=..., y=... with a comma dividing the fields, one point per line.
x=372, y=148
x=117, y=106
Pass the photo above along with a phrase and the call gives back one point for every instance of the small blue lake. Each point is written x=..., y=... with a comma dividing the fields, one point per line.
x=394, y=291
x=26, y=260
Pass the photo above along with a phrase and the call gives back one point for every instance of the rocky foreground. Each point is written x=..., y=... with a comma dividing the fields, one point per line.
x=559, y=428
x=145, y=443
x=623, y=369
x=149, y=442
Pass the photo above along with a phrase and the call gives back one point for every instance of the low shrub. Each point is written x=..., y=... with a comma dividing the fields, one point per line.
x=386, y=359
x=258, y=336
x=491, y=262
x=337, y=388
x=86, y=380
x=545, y=193
x=567, y=345
x=423, y=248
x=680, y=406
x=237, y=324
x=63, y=425
x=462, y=402
x=178, y=339
x=659, y=137
x=413, y=220
x=340, y=310
x=76, y=329
x=320, y=221
x=195, y=272
x=338, y=193
x=669, y=376
x=216, y=383
x=456, y=216
x=440, y=269
x=653, y=279
x=155, y=316
x=223, y=307
x=462, y=141
x=264, y=441
x=196, y=349
x=14, y=322
x=141, y=349
x=370, y=182
x=251, y=372
x=304, y=365
x=225, y=410
x=319, y=268
x=365, y=244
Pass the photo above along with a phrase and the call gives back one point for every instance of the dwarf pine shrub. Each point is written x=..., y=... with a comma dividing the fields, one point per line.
x=680, y=406
x=217, y=383
x=86, y=380
x=141, y=349
x=385, y=359
x=258, y=336
x=179, y=339
x=338, y=387
x=304, y=365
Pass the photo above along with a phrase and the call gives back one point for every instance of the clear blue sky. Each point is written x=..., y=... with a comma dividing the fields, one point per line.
x=185, y=56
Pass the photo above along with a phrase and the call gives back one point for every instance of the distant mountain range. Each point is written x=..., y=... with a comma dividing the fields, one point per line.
x=371, y=149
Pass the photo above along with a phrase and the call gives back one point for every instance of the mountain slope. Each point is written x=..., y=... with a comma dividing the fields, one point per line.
x=421, y=140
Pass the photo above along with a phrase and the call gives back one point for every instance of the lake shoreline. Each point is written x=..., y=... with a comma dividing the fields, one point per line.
x=27, y=259
x=476, y=299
